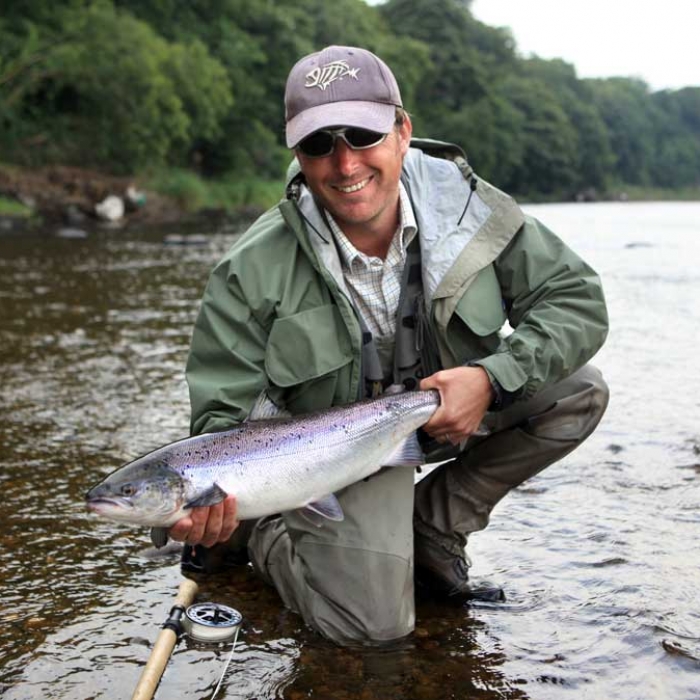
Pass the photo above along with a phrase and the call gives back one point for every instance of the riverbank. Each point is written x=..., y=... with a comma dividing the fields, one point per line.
x=75, y=197
x=619, y=193
x=81, y=197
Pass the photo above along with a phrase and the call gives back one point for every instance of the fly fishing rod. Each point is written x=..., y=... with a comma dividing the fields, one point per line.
x=163, y=648
x=203, y=622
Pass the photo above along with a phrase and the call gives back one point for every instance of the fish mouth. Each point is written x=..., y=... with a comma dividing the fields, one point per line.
x=101, y=503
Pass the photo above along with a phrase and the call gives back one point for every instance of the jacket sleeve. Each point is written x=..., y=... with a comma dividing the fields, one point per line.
x=556, y=307
x=225, y=367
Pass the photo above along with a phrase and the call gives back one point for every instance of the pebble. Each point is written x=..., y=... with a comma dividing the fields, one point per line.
x=71, y=233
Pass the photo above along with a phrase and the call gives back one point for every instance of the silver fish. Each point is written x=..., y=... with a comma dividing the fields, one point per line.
x=270, y=466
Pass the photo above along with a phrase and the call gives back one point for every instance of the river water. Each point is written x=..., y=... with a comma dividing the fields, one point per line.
x=598, y=555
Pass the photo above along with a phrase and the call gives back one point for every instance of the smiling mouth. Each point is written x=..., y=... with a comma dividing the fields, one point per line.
x=353, y=188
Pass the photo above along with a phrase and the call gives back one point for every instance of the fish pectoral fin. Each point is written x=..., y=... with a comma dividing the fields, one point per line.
x=408, y=453
x=213, y=495
x=314, y=518
x=159, y=536
x=326, y=507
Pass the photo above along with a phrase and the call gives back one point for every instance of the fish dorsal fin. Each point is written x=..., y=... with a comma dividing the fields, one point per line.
x=265, y=408
x=326, y=507
x=159, y=536
x=213, y=495
x=408, y=453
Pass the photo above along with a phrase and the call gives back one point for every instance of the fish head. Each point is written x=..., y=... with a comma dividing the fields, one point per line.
x=143, y=492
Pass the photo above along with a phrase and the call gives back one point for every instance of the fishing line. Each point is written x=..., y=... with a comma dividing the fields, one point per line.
x=226, y=665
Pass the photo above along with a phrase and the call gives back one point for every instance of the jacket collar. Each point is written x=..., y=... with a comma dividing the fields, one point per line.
x=461, y=229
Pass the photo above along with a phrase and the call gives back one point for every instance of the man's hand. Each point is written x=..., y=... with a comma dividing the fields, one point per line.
x=465, y=395
x=207, y=525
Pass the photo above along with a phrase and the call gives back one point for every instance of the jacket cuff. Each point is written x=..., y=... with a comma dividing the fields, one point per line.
x=506, y=377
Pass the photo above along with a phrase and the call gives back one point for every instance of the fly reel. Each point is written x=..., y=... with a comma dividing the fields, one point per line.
x=211, y=622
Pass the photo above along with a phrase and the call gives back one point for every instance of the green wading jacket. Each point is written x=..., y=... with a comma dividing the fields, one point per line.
x=275, y=315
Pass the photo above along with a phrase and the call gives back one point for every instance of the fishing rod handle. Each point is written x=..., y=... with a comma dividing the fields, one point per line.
x=186, y=593
x=163, y=648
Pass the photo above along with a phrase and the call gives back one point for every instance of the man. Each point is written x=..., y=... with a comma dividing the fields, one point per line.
x=388, y=266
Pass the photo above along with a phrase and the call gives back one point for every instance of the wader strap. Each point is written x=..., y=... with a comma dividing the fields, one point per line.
x=415, y=352
x=372, y=374
x=408, y=369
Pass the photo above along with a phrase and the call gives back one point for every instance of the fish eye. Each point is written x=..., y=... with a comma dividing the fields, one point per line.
x=128, y=490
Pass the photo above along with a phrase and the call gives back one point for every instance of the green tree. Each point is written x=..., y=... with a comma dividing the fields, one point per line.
x=490, y=131
x=549, y=140
x=111, y=92
x=594, y=158
x=628, y=113
x=463, y=52
x=258, y=42
x=454, y=96
x=676, y=160
x=126, y=84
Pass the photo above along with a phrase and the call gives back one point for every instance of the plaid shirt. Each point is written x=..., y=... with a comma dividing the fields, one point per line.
x=375, y=284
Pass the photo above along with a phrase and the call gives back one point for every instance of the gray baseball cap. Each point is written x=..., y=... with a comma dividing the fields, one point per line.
x=339, y=86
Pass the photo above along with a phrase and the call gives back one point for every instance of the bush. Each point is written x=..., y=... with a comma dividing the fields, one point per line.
x=193, y=192
x=112, y=93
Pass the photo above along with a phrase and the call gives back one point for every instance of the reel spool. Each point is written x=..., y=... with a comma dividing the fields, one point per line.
x=211, y=622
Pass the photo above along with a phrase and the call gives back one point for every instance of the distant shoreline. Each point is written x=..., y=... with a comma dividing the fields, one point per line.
x=70, y=196
x=65, y=195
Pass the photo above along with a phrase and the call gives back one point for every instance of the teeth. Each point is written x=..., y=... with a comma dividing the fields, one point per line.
x=353, y=188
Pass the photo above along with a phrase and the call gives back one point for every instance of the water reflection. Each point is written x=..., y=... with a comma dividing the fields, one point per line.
x=595, y=555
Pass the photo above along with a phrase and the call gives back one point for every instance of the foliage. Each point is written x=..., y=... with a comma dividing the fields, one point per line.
x=198, y=85
x=464, y=54
x=193, y=192
x=105, y=89
x=10, y=207
x=629, y=116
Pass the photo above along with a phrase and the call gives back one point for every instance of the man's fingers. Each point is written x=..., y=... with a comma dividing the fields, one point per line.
x=207, y=525
x=229, y=521
x=465, y=394
x=180, y=530
x=199, y=518
x=212, y=525
x=431, y=382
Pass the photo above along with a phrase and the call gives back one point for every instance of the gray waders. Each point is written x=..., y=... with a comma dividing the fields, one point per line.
x=353, y=580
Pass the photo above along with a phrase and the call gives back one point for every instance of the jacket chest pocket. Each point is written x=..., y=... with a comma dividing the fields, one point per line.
x=478, y=317
x=306, y=346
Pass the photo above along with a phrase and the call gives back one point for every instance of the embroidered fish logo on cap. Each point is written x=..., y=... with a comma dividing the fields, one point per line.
x=322, y=76
x=355, y=88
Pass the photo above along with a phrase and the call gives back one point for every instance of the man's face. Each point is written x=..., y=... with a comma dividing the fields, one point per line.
x=360, y=188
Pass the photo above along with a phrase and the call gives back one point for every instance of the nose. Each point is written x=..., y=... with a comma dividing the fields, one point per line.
x=344, y=158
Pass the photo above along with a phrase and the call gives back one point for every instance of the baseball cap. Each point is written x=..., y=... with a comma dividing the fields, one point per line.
x=340, y=86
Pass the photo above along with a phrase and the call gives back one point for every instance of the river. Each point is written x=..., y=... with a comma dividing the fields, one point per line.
x=598, y=555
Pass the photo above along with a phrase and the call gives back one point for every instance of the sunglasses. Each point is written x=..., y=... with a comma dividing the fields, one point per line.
x=322, y=143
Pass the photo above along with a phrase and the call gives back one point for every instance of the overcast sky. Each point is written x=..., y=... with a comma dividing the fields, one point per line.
x=656, y=41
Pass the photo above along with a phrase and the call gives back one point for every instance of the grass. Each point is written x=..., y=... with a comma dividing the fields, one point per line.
x=11, y=207
x=194, y=193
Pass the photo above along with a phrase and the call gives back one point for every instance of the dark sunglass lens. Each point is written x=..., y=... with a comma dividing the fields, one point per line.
x=363, y=138
x=318, y=144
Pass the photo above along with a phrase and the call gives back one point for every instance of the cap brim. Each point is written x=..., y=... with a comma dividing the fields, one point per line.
x=375, y=116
